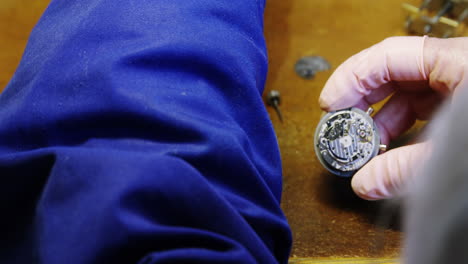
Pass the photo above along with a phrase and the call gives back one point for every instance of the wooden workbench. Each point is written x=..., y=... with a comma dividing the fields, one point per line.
x=327, y=220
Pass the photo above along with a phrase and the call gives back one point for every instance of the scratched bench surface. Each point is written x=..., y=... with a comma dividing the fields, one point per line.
x=17, y=18
x=326, y=219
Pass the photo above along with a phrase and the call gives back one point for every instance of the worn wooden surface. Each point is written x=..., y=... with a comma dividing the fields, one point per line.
x=326, y=218
x=17, y=18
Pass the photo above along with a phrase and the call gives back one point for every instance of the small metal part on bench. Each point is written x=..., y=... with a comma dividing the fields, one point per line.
x=307, y=67
x=274, y=100
x=346, y=140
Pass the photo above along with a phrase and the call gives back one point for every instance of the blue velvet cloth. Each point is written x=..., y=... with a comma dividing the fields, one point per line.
x=134, y=132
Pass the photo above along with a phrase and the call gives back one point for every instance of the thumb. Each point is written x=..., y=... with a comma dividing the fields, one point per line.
x=385, y=175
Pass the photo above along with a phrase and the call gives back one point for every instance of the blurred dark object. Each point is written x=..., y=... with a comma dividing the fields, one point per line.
x=308, y=66
x=438, y=18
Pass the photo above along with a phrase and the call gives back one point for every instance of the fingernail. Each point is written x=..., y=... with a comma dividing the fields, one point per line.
x=323, y=104
x=364, y=191
x=372, y=196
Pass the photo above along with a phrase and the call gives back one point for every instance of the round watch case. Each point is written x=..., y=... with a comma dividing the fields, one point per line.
x=345, y=140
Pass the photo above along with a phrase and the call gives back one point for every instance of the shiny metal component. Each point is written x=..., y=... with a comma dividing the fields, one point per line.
x=369, y=111
x=346, y=140
x=274, y=100
x=308, y=66
x=382, y=148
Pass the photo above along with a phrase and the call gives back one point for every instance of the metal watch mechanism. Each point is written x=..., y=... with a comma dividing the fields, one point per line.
x=346, y=140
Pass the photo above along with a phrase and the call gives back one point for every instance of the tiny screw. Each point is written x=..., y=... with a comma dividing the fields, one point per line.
x=274, y=100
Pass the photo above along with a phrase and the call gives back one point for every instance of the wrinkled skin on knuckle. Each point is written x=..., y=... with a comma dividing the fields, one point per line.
x=447, y=63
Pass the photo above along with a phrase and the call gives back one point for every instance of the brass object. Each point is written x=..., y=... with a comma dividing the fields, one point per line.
x=438, y=18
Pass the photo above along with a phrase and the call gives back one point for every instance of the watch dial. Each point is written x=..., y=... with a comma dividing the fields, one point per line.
x=345, y=140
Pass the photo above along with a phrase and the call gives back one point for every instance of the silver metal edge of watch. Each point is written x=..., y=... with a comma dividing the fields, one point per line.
x=376, y=140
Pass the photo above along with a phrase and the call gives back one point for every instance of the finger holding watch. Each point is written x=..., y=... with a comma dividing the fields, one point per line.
x=418, y=73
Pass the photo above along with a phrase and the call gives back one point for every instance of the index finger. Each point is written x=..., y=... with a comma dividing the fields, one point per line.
x=370, y=72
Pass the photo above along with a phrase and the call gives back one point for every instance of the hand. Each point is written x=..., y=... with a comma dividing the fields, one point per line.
x=420, y=72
